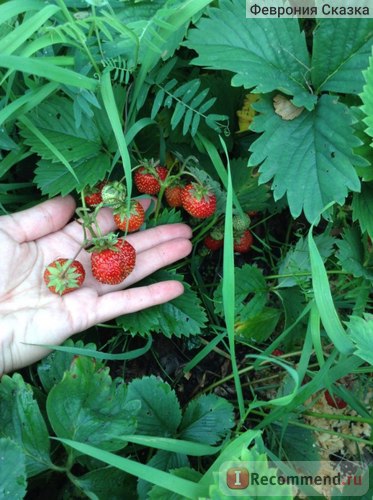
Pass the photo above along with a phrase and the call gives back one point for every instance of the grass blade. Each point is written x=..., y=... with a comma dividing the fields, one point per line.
x=170, y=482
x=324, y=300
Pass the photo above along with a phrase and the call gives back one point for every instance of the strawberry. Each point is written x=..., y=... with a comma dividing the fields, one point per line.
x=243, y=242
x=93, y=196
x=173, y=195
x=334, y=401
x=241, y=222
x=277, y=352
x=64, y=276
x=113, y=262
x=114, y=194
x=130, y=219
x=215, y=239
x=198, y=200
x=148, y=178
x=212, y=244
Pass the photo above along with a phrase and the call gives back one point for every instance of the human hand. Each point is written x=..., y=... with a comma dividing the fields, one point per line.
x=31, y=314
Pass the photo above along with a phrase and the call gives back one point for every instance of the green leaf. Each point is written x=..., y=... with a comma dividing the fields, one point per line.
x=54, y=179
x=21, y=421
x=159, y=493
x=341, y=48
x=260, y=326
x=266, y=54
x=207, y=419
x=54, y=118
x=295, y=443
x=351, y=254
x=160, y=413
x=12, y=471
x=89, y=406
x=297, y=260
x=362, y=208
x=162, y=460
x=181, y=316
x=248, y=280
x=107, y=482
x=367, y=97
x=52, y=368
x=317, y=165
x=361, y=334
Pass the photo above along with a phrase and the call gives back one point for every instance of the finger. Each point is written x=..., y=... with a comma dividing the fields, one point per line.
x=105, y=222
x=115, y=304
x=38, y=221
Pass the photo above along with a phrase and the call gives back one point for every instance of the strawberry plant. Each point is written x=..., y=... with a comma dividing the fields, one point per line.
x=256, y=133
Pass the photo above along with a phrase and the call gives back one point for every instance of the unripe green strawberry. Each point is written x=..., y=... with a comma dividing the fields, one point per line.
x=113, y=264
x=198, y=200
x=93, y=196
x=114, y=194
x=64, y=276
x=130, y=219
x=148, y=178
x=243, y=242
x=241, y=222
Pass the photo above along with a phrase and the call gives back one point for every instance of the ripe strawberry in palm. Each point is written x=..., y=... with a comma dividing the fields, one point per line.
x=198, y=200
x=64, y=276
x=93, y=196
x=173, y=195
x=243, y=241
x=112, y=260
x=149, y=176
x=130, y=218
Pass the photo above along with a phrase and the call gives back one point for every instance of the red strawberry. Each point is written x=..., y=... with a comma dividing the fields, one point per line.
x=113, y=264
x=334, y=401
x=173, y=195
x=147, y=178
x=198, y=200
x=277, y=352
x=64, y=276
x=212, y=244
x=93, y=195
x=243, y=242
x=215, y=239
x=130, y=219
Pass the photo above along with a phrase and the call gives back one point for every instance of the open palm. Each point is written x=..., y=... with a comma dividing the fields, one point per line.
x=31, y=314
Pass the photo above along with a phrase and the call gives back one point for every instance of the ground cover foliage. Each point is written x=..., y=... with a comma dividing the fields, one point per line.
x=277, y=116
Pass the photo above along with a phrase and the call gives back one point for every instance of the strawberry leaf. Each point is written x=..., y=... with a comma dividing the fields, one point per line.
x=207, y=419
x=159, y=413
x=96, y=411
x=360, y=331
x=22, y=422
x=53, y=178
x=318, y=154
x=106, y=482
x=266, y=54
x=351, y=254
x=12, y=470
x=362, y=208
x=367, y=97
x=341, y=48
x=181, y=316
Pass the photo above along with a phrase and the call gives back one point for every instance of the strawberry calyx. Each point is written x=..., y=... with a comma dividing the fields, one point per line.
x=100, y=243
x=64, y=275
x=130, y=218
